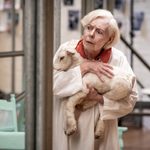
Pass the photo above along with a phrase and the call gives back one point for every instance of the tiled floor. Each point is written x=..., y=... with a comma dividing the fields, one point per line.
x=137, y=139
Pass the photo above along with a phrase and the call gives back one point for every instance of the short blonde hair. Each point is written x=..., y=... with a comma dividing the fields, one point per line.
x=113, y=26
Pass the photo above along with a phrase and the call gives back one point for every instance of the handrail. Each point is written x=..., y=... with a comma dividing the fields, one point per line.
x=11, y=54
x=135, y=53
x=140, y=84
x=20, y=96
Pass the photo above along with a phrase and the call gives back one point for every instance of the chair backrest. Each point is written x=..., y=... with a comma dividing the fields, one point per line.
x=8, y=117
x=20, y=105
x=10, y=138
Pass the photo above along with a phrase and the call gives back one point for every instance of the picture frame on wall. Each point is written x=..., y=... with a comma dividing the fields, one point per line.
x=68, y=2
x=7, y=4
x=73, y=19
x=120, y=5
x=138, y=20
x=98, y=4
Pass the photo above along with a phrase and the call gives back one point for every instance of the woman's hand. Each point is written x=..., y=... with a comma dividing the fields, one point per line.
x=93, y=95
x=98, y=68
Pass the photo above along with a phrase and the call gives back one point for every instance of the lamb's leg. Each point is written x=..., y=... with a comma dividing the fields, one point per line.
x=88, y=104
x=100, y=129
x=119, y=89
x=71, y=125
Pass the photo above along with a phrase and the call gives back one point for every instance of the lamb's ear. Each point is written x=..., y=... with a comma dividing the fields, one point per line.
x=70, y=53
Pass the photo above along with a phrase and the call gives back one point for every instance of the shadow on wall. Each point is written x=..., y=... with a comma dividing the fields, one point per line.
x=4, y=95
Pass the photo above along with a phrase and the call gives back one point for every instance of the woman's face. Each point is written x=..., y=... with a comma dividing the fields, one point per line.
x=95, y=35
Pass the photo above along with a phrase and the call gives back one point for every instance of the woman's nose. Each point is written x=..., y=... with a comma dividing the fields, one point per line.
x=92, y=32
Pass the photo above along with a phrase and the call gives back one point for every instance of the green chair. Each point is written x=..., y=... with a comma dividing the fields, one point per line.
x=121, y=130
x=10, y=138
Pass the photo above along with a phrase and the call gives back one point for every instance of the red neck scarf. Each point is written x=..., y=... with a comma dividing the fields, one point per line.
x=104, y=55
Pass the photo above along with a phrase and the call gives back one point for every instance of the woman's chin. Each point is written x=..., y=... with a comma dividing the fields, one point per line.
x=89, y=46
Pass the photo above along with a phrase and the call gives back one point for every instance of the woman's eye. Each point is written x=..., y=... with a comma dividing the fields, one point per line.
x=89, y=27
x=99, y=31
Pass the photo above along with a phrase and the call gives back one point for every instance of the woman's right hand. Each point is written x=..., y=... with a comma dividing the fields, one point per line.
x=98, y=68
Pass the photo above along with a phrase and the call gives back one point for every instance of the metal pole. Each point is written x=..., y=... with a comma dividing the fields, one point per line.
x=11, y=54
x=48, y=79
x=44, y=69
x=13, y=31
x=38, y=46
x=30, y=72
x=131, y=28
x=40, y=77
x=110, y=5
x=57, y=26
x=87, y=6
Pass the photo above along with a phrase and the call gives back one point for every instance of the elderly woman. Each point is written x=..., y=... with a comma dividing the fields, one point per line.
x=100, y=34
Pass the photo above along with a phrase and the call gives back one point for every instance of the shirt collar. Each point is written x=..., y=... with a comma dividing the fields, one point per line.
x=104, y=55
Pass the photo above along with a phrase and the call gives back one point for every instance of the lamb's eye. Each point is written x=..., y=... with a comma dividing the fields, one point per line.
x=61, y=58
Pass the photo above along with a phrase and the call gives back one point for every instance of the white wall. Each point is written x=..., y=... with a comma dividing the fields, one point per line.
x=67, y=34
x=140, y=43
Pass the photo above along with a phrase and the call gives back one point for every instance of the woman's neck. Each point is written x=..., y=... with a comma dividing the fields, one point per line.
x=91, y=56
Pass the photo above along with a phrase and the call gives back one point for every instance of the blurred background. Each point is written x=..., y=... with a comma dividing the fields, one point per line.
x=133, y=17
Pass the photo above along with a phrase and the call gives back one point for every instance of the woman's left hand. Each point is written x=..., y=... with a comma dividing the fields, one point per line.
x=93, y=95
x=98, y=68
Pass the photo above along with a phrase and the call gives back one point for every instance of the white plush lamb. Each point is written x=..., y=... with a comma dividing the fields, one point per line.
x=114, y=89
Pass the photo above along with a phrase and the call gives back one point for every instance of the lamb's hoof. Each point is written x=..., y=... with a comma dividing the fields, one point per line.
x=71, y=130
x=99, y=135
x=69, y=133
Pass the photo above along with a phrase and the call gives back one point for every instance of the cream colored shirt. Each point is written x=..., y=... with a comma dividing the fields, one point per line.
x=69, y=82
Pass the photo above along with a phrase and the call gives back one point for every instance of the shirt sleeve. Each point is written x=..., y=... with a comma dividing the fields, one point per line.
x=66, y=83
x=115, y=109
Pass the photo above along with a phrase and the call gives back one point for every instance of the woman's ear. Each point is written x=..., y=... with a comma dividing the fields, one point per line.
x=109, y=42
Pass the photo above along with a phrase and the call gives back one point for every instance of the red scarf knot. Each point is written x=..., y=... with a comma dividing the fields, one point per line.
x=104, y=55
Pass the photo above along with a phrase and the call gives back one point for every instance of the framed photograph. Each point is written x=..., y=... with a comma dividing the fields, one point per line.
x=8, y=4
x=68, y=2
x=138, y=20
x=98, y=4
x=120, y=4
x=73, y=19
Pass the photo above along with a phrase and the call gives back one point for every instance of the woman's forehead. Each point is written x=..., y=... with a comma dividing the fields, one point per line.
x=100, y=22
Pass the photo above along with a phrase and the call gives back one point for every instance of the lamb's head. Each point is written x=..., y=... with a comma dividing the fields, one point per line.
x=64, y=60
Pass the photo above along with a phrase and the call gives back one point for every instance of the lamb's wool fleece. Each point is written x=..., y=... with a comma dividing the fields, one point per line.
x=114, y=89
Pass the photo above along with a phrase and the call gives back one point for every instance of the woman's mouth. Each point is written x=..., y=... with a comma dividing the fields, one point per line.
x=89, y=42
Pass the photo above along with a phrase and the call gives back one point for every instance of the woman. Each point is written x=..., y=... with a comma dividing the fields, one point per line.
x=100, y=34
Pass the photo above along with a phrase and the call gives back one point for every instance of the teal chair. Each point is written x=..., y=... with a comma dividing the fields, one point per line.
x=10, y=137
x=121, y=130
x=21, y=114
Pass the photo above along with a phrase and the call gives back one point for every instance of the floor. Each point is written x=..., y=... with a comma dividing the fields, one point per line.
x=137, y=139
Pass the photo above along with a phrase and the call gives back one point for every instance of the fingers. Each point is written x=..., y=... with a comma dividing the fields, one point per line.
x=100, y=76
x=107, y=65
x=106, y=71
x=89, y=87
x=100, y=69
